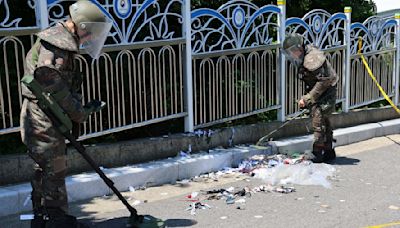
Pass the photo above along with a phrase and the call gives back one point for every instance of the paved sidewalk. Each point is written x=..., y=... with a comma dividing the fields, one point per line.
x=365, y=192
x=14, y=199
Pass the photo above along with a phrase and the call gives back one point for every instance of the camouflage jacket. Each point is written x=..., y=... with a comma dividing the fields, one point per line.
x=51, y=61
x=319, y=77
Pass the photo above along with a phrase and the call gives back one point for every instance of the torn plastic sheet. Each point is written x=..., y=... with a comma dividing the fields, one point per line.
x=301, y=174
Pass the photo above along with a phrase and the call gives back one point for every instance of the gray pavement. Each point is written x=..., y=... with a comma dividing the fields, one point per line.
x=365, y=192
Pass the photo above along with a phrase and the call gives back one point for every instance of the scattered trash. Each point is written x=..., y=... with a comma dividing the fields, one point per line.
x=131, y=189
x=193, y=195
x=230, y=200
x=164, y=193
x=244, y=192
x=26, y=217
x=136, y=202
x=278, y=171
x=207, y=133
x=258, y=216
x=284, y=189
x=183, y=155
x=197, y=205
x=392, y=207
x=183, y=182
x=342, y=201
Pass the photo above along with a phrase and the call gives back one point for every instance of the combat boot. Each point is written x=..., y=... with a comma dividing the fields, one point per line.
x=39, y=219
x=38, y=222
x=59, y=219
x=329, y=151
x=318, y=151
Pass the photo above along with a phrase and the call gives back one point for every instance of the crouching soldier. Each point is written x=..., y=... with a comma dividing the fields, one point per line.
x=51, y=63
x=320, y=81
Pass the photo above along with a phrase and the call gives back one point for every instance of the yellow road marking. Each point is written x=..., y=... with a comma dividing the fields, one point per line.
x=384, y=225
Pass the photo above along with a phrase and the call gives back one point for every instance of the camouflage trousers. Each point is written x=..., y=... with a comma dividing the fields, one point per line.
x=46, y=146
x=323, y=134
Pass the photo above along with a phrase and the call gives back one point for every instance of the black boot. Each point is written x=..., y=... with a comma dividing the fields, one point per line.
x=329, y=151
x=38, y=222
x=59, y=219
x=318, y=153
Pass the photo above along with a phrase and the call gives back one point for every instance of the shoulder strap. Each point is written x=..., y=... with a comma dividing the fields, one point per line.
x=35, y=52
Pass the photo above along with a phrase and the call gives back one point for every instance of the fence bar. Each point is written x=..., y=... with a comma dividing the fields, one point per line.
x=189, y=119
x=282, y=60
x=397, y=63
x=42, y=17
x=346, y=105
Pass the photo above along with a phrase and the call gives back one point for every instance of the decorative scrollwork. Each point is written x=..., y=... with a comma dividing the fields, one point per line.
x=376, y=33
x=5, y=21
x=149, y=20
x=236, y=24
x=319, y=28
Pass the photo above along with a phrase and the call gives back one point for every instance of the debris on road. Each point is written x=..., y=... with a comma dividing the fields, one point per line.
x=197, y=205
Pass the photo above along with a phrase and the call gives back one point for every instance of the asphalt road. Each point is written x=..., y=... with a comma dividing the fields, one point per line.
x=365, y=192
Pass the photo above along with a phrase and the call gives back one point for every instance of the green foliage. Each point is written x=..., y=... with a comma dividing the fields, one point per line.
x=361, y=9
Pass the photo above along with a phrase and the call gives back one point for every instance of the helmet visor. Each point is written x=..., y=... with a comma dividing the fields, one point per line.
x=92, y=36
x=293, y=53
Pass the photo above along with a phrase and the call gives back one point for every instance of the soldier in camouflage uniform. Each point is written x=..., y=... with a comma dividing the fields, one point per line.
x=51, y=62
x=320, y=80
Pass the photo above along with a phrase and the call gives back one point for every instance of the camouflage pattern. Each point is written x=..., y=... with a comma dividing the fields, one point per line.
x=320, y=80
x=54, y=54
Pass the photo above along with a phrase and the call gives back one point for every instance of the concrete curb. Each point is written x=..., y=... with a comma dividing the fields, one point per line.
x=344, y=136
x=15, y=199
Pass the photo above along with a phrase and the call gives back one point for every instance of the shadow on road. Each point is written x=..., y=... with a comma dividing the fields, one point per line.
x=123, y=221
x=345, y=161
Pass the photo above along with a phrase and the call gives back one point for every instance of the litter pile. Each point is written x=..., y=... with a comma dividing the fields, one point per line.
x=278, y=171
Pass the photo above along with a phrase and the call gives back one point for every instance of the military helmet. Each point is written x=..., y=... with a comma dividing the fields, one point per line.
x=92, y=26
x=293, y=48
x=293, y=40
x=86, y=11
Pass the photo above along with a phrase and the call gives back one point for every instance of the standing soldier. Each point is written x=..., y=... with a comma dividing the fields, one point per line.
x=320, y=81
x=51, y=62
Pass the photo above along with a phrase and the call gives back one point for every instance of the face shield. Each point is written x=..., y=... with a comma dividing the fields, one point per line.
x=294, y=54
x=92, y=36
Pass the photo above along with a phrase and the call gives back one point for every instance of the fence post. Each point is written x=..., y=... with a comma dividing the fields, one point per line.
x=282, y=61
x=346, y=104
x=43, y=17
x=397, y=63
x=189, y=119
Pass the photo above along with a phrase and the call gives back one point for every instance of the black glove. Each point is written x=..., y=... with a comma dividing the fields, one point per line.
x=95, y=106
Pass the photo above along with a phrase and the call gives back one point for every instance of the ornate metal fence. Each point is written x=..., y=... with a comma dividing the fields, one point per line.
x=235, y=57
x=164, y=60
x=378, y=37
